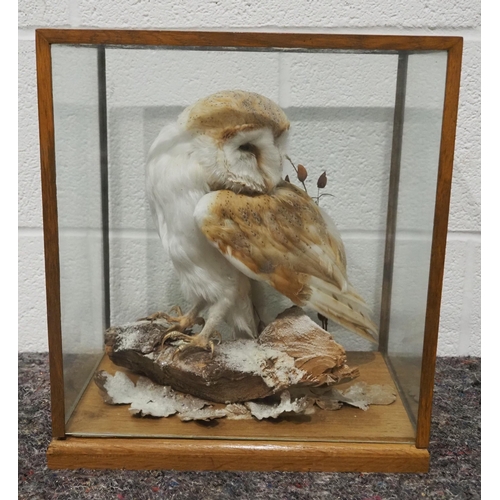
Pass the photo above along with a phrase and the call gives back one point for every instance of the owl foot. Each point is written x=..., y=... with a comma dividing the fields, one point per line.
x=182, y=322
x=198, y=341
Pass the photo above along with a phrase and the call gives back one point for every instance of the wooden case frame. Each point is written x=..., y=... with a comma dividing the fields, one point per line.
x=144, y=453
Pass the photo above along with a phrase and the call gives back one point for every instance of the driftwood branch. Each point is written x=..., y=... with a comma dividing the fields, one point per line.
x=292, y=351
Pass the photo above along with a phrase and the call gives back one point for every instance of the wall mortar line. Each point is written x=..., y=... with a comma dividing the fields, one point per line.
x=468, y=288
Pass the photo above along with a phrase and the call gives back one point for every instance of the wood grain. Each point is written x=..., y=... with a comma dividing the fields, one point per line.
x=247, y=39
x=438, y=251
x=50, y=230
x=390, y=424
x=140, y=454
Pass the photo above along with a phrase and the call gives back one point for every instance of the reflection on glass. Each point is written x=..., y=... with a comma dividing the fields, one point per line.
x=415, y=219
x=79, y=214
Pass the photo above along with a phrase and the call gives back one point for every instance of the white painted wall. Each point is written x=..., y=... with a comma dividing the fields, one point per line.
x=143, y=103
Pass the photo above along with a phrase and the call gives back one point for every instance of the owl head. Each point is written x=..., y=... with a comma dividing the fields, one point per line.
x=239, y=140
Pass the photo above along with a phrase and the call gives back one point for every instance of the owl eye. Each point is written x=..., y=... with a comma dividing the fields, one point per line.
x=248, y=148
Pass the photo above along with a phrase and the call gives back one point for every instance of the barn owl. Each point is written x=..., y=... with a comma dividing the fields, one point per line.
x=226, y=217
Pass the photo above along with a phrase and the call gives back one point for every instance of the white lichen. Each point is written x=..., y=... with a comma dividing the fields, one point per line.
x=146, y=397
x=119, y=389
x=237, y=411
x=286, y=405
x=362, y=395
x=130, y=340
x=275, y=367
x=205, y=414
x=302, y=324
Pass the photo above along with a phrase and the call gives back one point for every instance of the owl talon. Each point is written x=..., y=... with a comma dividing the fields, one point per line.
x=174, y=335
x=158, y=315
x=151, y=317
x=198, y=341
x=177, y=310
x=180, y=323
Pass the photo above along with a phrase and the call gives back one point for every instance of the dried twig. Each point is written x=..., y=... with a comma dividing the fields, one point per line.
x=300, y=177
x=302, y=174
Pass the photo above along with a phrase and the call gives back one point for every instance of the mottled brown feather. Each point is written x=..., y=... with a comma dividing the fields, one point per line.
x=282, y=238
x=223, y=114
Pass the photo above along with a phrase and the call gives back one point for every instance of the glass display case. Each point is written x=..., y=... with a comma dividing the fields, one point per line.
x=376, y=115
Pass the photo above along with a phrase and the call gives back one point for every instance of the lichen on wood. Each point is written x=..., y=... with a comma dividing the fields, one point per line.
x=293, y=367
x=147, y=398
x=292, y=351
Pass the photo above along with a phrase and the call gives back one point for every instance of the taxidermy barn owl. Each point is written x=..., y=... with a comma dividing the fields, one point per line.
x=226, y=217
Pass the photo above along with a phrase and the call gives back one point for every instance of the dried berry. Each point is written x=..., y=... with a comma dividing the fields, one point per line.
x=322, y=181
x=301, y=173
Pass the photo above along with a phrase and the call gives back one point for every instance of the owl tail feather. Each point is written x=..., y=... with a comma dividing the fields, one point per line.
x=346, y=308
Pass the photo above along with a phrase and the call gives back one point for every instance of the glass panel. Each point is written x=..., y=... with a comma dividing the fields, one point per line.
x=341, y=109
x=76, y=114
x=415, y=219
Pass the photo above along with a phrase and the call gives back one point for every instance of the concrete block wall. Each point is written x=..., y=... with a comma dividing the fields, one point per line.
x=360, y=91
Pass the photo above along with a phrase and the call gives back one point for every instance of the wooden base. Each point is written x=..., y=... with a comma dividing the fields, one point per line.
x=382, y=439
x=380, y=424
x=193, y=454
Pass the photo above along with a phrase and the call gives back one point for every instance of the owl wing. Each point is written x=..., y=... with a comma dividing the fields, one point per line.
x=284, y=240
